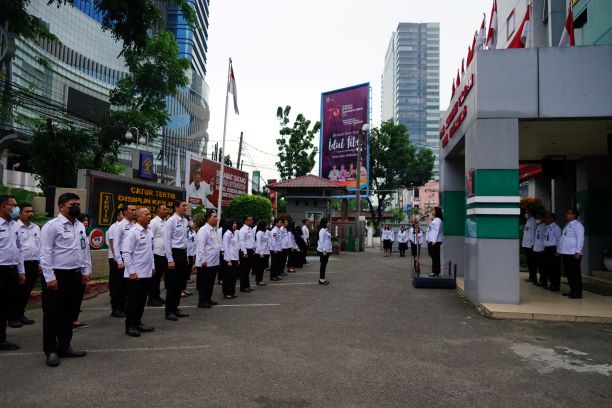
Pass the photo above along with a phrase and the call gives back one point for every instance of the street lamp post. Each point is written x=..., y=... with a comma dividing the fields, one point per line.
x=142, y=140
x=364, y=131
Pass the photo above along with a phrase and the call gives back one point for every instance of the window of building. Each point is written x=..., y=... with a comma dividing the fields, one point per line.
x=297, y=203
x=510, y=21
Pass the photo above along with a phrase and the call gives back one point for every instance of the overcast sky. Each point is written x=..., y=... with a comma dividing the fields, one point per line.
x=288, y=52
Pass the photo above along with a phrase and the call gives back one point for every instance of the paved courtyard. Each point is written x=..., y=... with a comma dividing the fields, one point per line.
x=367, y=340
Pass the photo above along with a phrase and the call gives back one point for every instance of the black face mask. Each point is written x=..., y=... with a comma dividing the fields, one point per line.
x=74, y=212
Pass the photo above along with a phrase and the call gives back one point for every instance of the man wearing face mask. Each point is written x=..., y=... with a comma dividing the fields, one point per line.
x=12, y=272
x=66, y=264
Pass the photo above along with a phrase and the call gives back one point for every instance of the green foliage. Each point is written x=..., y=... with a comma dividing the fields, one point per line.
x=21, y=195
x=20, y=23
x=395, y=163
x=398, y=215
x=296, y=152
x=256, y=206
x=285, y=216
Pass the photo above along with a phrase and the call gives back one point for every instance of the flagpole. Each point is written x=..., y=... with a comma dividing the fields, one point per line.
x=222, y=174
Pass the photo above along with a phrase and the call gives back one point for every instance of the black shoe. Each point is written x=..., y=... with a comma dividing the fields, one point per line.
x=212, y=302
x=323, y=282
x=154, y=303
x=528, y=280
x=161, y=300
x=247, y=290
x=71, y=353
x=282, y=274
x=130, y=331
x=53, y=360
x=275, y=279
x=15, y=323
x=575, y=296
x=538, y=284
x=145, y=329
x=566, y=294
x=171, y=316
x=180, y=314
x=8, y=346
x=117, y=313
x=26, y=321
x=554, y=289
x=204, y=305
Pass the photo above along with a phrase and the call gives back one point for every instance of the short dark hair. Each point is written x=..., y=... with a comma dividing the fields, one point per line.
x=116, y=213
x=323, y=223
x=24, y=205
x=177, y=203
x=438, y=213
x=209, y=214
x=5, y=197
x=573, y=211
x=158, y=206
x=64, y=198
x=246, y=217
x=305, y=220
x=82, y=217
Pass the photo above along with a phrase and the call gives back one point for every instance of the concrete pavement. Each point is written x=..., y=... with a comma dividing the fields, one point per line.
x=367, y=340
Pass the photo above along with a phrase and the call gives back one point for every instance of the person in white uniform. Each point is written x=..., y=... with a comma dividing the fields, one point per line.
x=388, y=237
x=570, y=249
x=208, y=248
x=324, y=248
x=527, y=245
x=435, y=237
x=402, y=240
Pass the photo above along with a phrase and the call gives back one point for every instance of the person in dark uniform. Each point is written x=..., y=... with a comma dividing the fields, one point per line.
x=12, y=272
x=176, y=253
x=137, y=252
x=208, y=247
x=66, y=264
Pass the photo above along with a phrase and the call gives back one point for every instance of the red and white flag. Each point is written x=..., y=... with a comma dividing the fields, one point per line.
x=492, y=33
x=524, y=35
x=462, y=66
x=453, y=90
x=481, y=37
x=231, y=88
x=458, y=79
x=471, y=51
x=567, y=37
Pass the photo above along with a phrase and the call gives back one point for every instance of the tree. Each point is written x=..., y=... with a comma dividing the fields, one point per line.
x=296, y=152
x=256, y=206
x=395, y=164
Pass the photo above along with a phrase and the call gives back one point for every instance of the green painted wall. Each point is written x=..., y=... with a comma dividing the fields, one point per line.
x=453, y=203
x=496, y=182
x=596, y=214
x=598, y=28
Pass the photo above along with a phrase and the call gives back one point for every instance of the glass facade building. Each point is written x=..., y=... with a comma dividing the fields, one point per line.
x=410, y=88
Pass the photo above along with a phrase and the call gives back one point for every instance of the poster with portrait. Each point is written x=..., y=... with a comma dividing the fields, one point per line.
x=202, y=178
x=343, y=114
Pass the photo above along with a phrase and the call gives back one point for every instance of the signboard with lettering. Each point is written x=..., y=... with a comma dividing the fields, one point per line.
x=457, y=114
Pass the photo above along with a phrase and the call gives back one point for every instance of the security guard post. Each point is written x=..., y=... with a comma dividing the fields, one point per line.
x=207, y=262
x=12, y=272
x=137, y=250
x=176, y=253
x=570, y=249
x=29, y=238
x=66, y=265
x=246, y=238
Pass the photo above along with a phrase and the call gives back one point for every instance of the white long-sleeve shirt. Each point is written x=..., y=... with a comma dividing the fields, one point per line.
x=119, y=233
x=435, y=234
x=276, y=240
x=110, y=238
x=261, y=239
x=529, y=233
x=415, y=237
x=538, y=243
x=388, y=235
x=159, y=235
x=553, y=234
x=285, y=238
x=208, y=247
x=230, y=246
x=402, y=237
x=305, y=233
x=64, y=245
x=29, y=238
x=137, y=249
x=176, y=235
x=572, y=239
x=325, y=243
x=10, y=253
x=246, y=237
x=191, y=242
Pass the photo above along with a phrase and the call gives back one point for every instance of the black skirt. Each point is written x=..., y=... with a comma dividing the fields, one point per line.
x=387, y=244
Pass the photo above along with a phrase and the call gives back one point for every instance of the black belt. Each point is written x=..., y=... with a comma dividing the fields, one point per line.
x=11, y=267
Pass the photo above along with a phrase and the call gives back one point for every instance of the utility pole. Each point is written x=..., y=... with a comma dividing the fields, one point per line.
x=239, y=152
x=364, y=131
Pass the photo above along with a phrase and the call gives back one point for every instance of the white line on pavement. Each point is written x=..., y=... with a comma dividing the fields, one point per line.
x=294, y=283
x=118, y=350
x=194, y=306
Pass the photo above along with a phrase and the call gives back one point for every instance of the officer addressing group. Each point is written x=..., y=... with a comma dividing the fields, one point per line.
x=66, y=265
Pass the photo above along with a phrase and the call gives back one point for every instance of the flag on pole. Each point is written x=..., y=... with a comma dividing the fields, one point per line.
x=524, y=35
x=481, y=37
x=492, y=34
x=567, y=37
x=462, y=66
x=231, y=88
x=458, y=79
x=453, y=90
x=471, y=51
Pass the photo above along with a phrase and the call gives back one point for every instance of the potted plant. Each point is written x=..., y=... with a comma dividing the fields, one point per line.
x=607, y=258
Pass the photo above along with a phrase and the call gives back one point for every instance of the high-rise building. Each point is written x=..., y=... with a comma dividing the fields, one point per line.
x=411, y=83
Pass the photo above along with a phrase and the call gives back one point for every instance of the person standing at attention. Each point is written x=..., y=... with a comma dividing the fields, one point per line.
x=435, y=236
x=324, y=248
x=159, y=255
x=387, y=237
x=232, y=257
x=176, y=254
x=570, y=249
x=528, y=240
x=208, y=247
x=402, y=240
x=66, y=264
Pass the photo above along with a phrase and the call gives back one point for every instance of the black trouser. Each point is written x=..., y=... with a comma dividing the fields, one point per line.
x=161, y=264
x=229, y=278
x=190, y=262
x=77, y=310
x=434, y=252
x=415, y=249
x=116, y=286
x=175, y=279
x=246, y=264
x=222, y=267
x=206, y=282
x=284, y=260
x=136, y=299
x=552, y=266
x=403, y=246
x=60, y=307
x=323, y=267
x=9, y=281
x=571, y=266
x=275, y=260
x=543, y=279
x=24, y=291
x=532, y=264
x=260, y=265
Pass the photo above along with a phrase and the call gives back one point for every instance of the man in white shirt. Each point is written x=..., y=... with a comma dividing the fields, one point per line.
x=159, y=255
x=246, y=241
x=552, y=264
x=66, y=264
x=29, y=238
x=116, y=281
x=570, y=248
x=305, y=237
x=528, y=240
x=208, y=249
x=199, y=190
x=287, y=247
x=276, y=250
x=137, y=252
x=12, y=272
x=176, y=253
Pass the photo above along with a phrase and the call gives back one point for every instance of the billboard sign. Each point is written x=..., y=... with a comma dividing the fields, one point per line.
x=343, y=113
x=202, y=182
x=256, y=180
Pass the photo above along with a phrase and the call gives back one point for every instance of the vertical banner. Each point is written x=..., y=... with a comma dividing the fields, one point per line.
x=145, y=169
x=202, y=182
x=256, y=181
x=343, y=114
x=273, y=194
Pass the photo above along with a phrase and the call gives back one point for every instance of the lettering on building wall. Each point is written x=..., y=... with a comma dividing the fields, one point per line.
x=457, y=114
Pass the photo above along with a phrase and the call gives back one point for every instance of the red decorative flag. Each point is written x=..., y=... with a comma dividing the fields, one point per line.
x=469, y=57
x=567, y=37
x=481, y=37
x=492, y=34
x=231, y=88
x=523, y=37
x=453, y=91
x=458, y=79
x=462, y=66
x=471, y=51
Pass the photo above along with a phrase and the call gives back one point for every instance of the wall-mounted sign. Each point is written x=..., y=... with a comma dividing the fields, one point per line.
x=457, y=114
x=145, y=169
